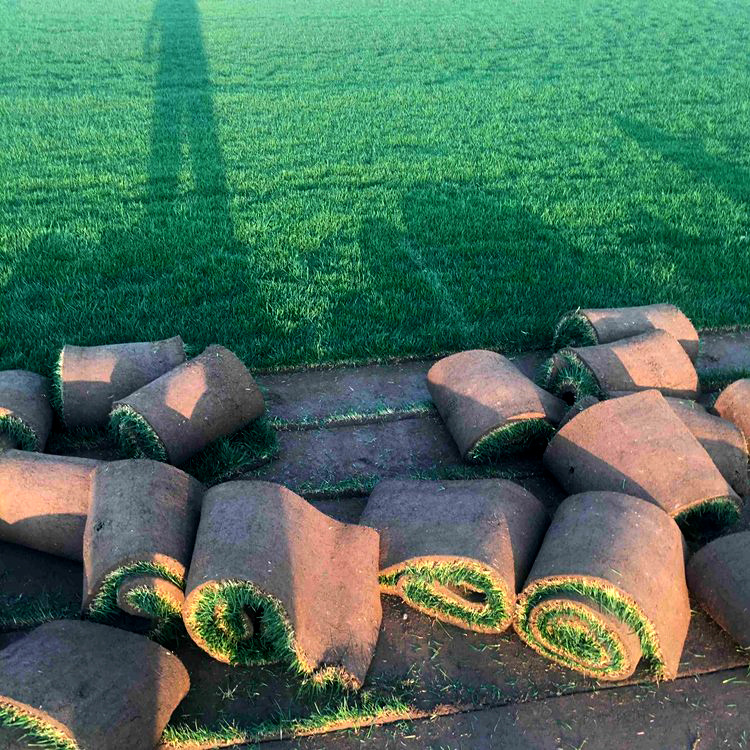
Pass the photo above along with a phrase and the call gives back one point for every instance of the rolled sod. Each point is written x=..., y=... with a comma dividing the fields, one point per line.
x=72, y=685
x=456, y=550
x=180, y=413
x=607, y=589
x=636, y=444
x=724, y=442
x=89, y=379
x=274, y=579
x=733, y=404
x=138, y=540
x=603, y=326
x=489, y=406
x=44, y=501
x=650, y=360
x=718, y=577
x=25, y=410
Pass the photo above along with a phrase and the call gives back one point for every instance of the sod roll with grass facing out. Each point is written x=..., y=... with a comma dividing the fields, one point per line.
x=651, y=360
x=636, y=444
x=718, y=577
x=177, y=415
x=88, y=379
x=44, y=501
x=489, y=406
x=456, y=550
x=25, y=410
x=138, y=540
x=607, y=589
x=733, y=404
x=74, y=685
x=602, y=326
x=274, y=579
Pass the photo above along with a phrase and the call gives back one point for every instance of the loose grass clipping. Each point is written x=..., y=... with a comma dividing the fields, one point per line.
x=489, y=406
x=718, y=577
x=456, y=550
x=25, y=410
x=73, y=685
x=608, y=589
x=636, y=444
x=651, y=360
x=177, y=415
x=274, y=579
x=602, y=326
x=44, y=501
x=88, y=379
x=138, y=540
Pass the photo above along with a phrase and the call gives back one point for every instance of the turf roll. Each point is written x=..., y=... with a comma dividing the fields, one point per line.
x=718, y=577
x=88, y=379
x=44, y=501
x=138, y=540
x=650, y=360
x=607, y=589
x=603, y=326
x=723, y=441
x=25, y=410
x=636, y=444
x=177, y=415
x=73, y=685
x=456, y=550
x=274, y=579
x=489, y=406
x=733, y=404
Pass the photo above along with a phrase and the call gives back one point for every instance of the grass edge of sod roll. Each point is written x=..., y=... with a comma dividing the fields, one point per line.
x=418, y=591
x=57, y=399
x=573, y=329
x=568, y=379
x=605, y=595
x=36, y=730
x=515, y=436
x=17, y=430
x=708, y=518
x=135, y=437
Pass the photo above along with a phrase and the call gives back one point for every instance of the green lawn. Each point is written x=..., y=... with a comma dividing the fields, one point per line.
x=330, y=180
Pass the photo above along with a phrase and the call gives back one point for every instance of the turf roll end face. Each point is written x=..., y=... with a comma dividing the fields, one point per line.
x=32, y=730
x=135, y=436
x=574, y=329
x=14, y=433
x=514, y=437
x=569, y=378
x=25, y=410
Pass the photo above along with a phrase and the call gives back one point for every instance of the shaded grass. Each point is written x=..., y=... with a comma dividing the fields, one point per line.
x=514, y=437
x=134, y=435
x=709, y=519
x=37, y=733
x=21, y=612
x=573, y=329
x=19, y=432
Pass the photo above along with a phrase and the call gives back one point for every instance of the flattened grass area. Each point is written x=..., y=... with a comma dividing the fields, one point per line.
x=349, y=179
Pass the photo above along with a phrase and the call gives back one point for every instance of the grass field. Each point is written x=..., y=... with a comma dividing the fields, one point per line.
x=332, y=180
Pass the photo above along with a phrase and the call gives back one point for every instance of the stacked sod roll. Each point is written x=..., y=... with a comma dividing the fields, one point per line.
x=456, y=550
x=607, y=589
x=733, y=404
x=25, y=410
x=138, y=541
x=180, y=413
x=274, y=579
x=489, y=407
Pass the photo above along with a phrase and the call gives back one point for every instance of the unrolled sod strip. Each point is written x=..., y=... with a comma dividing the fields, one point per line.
x=602, y=326
x=180, y=413
x=456, y=550
x=74, y=685
x=88, y=379
x=718, y=577
x=44, y=501
x=608, y=589
x=650, y=360
x=25, y=410
x=274, y=579
x=636, y=444
x=489, y=406
x=138, y=540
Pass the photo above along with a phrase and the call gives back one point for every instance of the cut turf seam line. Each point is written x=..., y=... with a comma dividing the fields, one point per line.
x=135, y=437
x=16, y=429
x=37, y=732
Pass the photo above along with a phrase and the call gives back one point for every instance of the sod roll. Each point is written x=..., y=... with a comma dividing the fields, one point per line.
x=90, y=378
x=180, y=413
x=25, y=410
x=44, y=501
x=724, y=442
x=274, y=579
x=456, y=550
x=72, y=685
x=602, y=326
x=650, y=360
x=607, y=589
x=489, y=406
x=718, y=577
x=636, y=444
x=138, y=540
x=733, y=404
